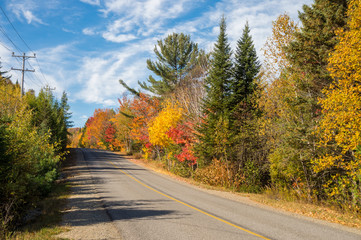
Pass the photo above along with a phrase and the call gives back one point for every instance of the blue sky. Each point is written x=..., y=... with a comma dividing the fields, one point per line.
x=84, y=47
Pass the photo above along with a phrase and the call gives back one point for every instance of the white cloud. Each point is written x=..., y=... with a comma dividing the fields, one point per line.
x=100, y=75
x=138, y=18
x=259, y=14
x=25, y=10
x=68, y=30
x=91, y=2
x=89, y=31
x=118, y=38
x=30, y=17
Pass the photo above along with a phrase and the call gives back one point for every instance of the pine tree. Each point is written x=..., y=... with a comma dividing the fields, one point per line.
x=216, y=102
x=176, y=57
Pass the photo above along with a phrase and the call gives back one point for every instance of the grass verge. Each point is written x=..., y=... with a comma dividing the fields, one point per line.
x=47, y=225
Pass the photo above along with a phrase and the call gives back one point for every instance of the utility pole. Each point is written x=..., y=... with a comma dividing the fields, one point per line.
x=23, y=70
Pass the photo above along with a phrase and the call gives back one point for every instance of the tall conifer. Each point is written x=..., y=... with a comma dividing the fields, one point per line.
x=217, y=99
x=246, y=69
x=246, y=144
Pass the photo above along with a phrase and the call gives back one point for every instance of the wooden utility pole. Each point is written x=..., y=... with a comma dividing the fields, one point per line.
x=23, y=70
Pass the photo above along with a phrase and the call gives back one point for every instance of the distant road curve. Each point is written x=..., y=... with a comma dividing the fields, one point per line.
x=145, y=205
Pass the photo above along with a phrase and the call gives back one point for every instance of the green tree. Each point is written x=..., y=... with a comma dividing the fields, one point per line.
x=314, y=42
x=246, y=70
x=216, y=102
x=51, y=115
x=176, y=56
x=247, y=147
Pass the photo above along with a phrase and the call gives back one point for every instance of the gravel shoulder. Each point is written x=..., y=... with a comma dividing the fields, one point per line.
x=85, y=216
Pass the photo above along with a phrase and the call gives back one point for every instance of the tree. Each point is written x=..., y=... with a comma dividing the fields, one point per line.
x=176, y=56
x=51, y=115
x=247, y=147
x=339, y=167
x=310, y=49
x=216, y=101
x=167, y=118
x=279, y=113
x=307, y=74
x=246, y=70
x=99, y=132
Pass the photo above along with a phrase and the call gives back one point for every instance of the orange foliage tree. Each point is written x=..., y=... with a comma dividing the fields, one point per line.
x=100, y=131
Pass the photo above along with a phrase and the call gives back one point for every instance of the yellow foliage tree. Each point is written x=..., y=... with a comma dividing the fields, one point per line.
x=167, y=118
x=10, y=99
x=340, y=127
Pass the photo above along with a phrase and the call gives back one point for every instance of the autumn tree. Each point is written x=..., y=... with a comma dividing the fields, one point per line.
x=176, y=56
x=29, y=155
x=99, y=131
x=307, y=57
x=339, y=168
x=122, y=121
x=279, y=113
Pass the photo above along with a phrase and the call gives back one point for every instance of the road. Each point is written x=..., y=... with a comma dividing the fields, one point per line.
x=142, y=204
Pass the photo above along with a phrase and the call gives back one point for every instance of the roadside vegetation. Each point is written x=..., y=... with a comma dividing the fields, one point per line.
x=33, y=138
x=289, y=128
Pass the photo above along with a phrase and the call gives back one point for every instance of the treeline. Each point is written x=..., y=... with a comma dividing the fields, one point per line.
x=291, y=125
x=33, y=138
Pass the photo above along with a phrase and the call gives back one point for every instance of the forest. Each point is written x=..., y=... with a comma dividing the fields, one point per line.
x=291, y=125
x=33, y=140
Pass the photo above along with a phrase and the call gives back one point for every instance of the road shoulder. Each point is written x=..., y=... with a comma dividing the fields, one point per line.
x=85, y=216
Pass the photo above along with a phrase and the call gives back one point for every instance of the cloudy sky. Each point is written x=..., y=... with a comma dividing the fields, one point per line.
x=84, y=47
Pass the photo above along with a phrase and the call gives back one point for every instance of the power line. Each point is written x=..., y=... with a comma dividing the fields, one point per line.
x=3, y=32
x=36, y=75
x=16, y=30
x=41, y=71
x=5, y=47
x=31, y=78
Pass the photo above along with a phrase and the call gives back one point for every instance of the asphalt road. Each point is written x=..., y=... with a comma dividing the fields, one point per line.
x=145, y=205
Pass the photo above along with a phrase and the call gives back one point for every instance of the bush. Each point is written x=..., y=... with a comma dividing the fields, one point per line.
x=28, y=167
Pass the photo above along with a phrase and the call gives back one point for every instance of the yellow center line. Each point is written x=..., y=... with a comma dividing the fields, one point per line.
x=185, y=204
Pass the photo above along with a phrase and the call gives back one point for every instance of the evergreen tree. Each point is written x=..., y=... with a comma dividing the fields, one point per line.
x=310, y=50
x=247, y=148
x=246, y=69
x=3, y=76
x=216, y=120
x=63, y=121
x=176, y=57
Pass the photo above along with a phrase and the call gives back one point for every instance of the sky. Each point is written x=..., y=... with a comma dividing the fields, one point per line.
x=83, y=47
